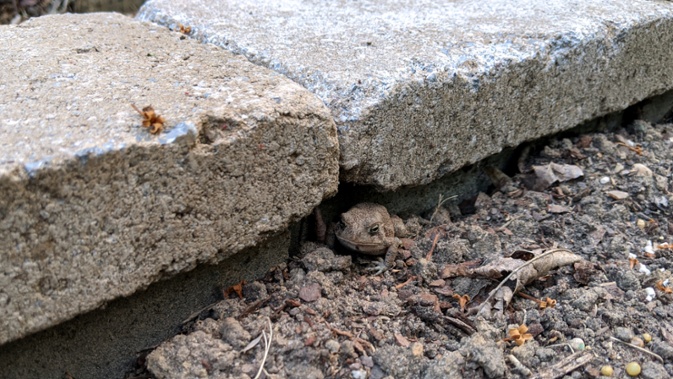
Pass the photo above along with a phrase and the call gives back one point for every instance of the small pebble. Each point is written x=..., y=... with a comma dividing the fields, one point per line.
x=617, y=195
x=637, y=342
x=633, y=369
x=332, y=346
x=642, y=170
x=607, y=370
x=623, y=333
x=310, y=293
x=642, y=268
x=417, y=349
x=577, y=344
x=604, y=180
x=647, y=337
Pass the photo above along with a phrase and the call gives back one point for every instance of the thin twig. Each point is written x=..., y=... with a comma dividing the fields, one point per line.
x=428, y=257
x=138, y=110
x=528, y=263
x=267, y=346
x=440, y=203
x=468, y=329
x=519, y=366
x=196, y=314
x=639, y=349
x=503, y=226
x=408, y=281
x=566, y=365
x=350, y=336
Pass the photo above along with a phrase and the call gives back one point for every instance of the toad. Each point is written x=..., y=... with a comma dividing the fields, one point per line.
x=369, y=229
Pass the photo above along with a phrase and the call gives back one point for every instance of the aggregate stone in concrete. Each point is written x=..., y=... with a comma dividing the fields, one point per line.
x=94, y=207
x=421, y=88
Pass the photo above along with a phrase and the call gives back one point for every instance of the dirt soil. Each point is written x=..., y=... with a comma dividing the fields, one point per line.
x=599, y=207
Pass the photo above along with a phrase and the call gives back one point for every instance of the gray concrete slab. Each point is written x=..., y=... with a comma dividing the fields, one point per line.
x=94, y=207
x=105, y=343
x=421, y=88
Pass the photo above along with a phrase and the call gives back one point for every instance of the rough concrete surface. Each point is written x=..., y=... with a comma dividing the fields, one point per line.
x=105, y=343
x=93, y=207
x=419, y=89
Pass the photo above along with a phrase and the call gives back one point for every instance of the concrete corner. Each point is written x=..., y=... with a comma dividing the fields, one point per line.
x=93, y=207
x=419, y=89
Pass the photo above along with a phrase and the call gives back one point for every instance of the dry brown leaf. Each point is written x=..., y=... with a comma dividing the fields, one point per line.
x=460, y=269
x=236, y=288
x=524, y=272
x=544, y=265
x=437, y=283
x=502, y=298
x=446, y=290
x=497, y=269
x=666, y=332
x=553, y=173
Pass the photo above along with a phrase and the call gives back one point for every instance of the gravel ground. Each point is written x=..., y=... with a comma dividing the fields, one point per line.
x=597, y=205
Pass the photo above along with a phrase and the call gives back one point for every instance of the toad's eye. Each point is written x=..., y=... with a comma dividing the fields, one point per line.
x=374, y=230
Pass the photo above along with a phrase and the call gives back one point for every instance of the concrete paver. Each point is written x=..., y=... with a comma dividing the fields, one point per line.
x=93, y=207
x=419, y=89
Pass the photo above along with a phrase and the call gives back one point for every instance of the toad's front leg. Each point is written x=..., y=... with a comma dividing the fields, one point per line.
x=382, y=265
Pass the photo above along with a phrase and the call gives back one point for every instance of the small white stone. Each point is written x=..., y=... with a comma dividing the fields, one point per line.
x=604, y=180
x=642, y=268
x=650, y=294
x=577, y=344
x=648, y=248
x=632, y=256
x=642, y=170
x=359, y=374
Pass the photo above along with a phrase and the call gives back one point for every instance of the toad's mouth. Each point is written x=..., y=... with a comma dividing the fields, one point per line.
x=373, y=248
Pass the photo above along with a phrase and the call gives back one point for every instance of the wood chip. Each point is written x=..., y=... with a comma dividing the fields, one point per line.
x=555, y=208
x=401, y=340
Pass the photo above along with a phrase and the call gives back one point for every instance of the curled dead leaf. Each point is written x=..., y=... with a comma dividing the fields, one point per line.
x=555, y=173
x=459, y=269
x=151, y=119
x=236, y=288
x=524, y=272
